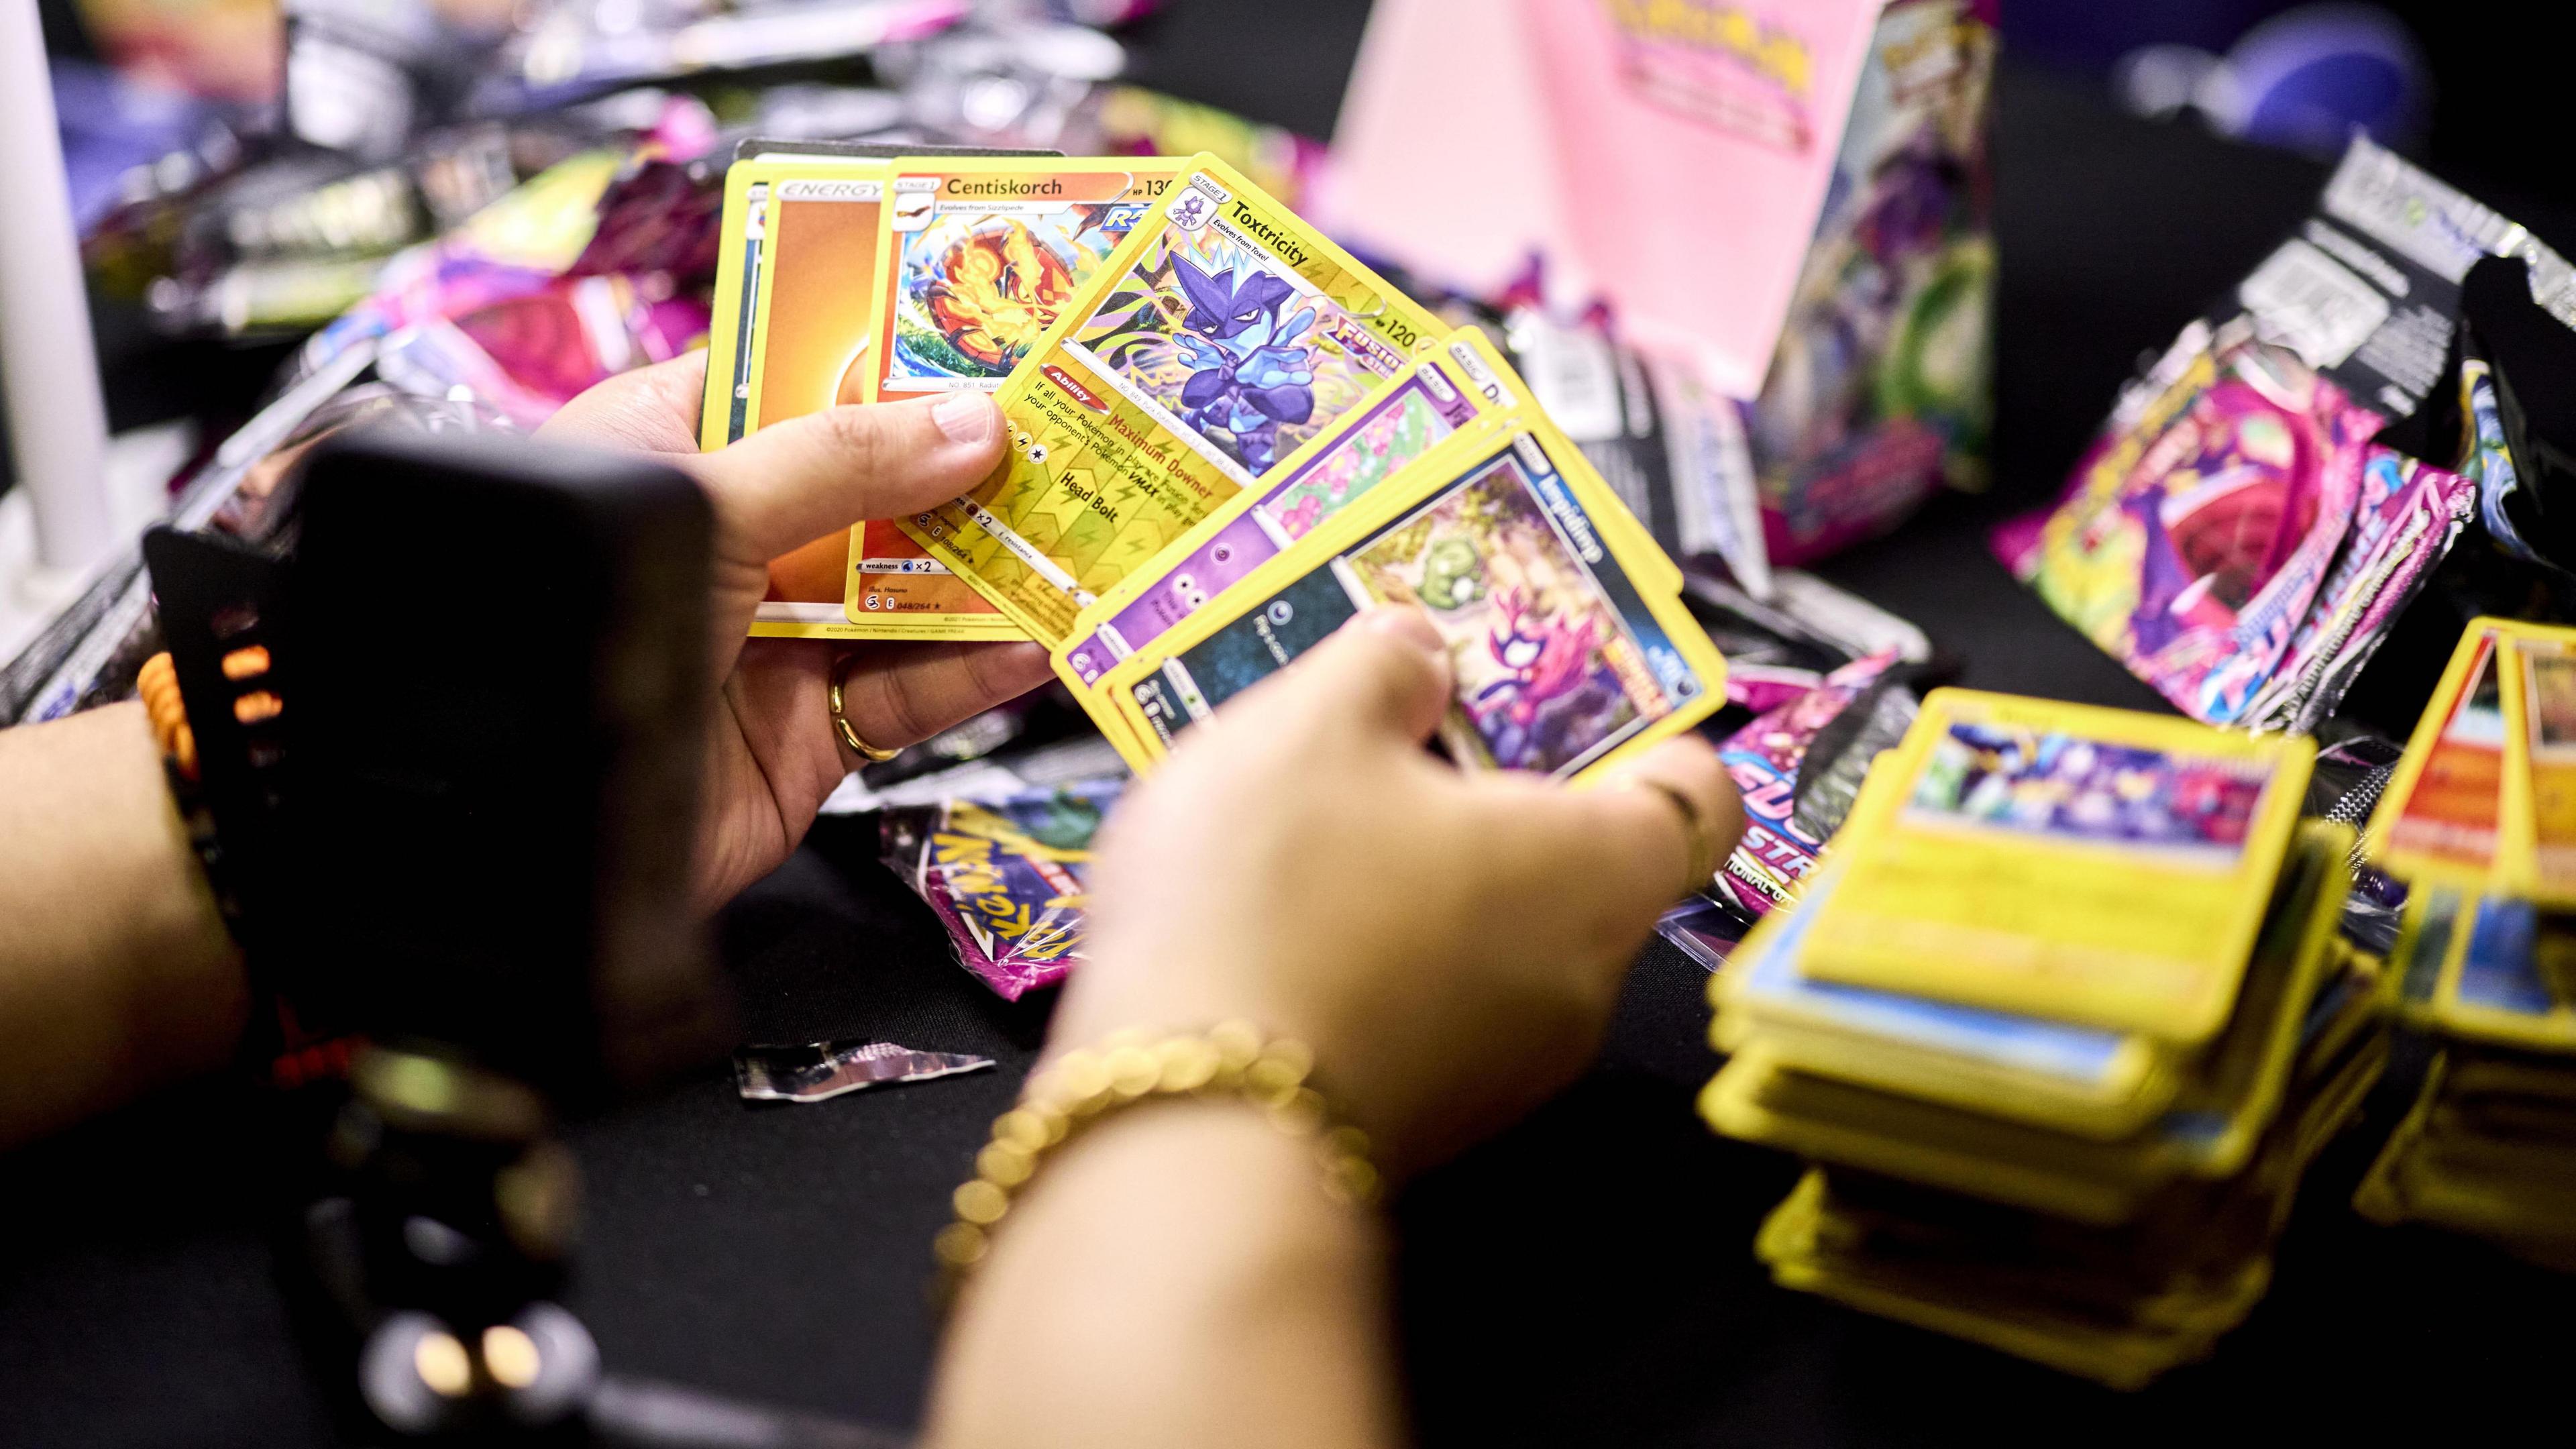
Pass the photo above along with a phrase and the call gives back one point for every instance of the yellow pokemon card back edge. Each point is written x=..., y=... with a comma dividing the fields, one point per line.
x=2062, y=916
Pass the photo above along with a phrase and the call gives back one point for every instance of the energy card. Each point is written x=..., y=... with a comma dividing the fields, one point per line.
x=743, y=242
x=1414, y=412
x=1567, y=637
x=815, y=318
x=813, y=348
x=1220, y=339
x=982, y=256
x=2438, y=818
x=2089, y=865
x=818, y=221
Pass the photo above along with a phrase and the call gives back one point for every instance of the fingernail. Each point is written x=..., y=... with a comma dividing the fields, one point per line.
x=1402, y=622
x=966, y=417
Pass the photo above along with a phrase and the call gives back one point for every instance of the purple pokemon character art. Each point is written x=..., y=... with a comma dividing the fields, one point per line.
x=1248, y=376
x=1549, y=687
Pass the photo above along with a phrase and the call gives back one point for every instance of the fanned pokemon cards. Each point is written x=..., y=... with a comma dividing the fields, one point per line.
x=1465, y=379
x=1220, y=338
x=1567, y=636
x=801, y=229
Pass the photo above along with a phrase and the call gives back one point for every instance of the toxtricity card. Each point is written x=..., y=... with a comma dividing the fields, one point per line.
x=1220, y=339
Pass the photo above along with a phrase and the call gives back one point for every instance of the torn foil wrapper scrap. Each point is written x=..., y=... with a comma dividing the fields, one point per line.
x=827, y=1069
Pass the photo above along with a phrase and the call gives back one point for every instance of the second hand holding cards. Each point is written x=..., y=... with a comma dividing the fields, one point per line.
x=1569, y=643
x=1219, y=339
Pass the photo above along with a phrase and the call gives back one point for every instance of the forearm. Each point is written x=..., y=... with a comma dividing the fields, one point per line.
x=116, y=974
x=1176, y=1278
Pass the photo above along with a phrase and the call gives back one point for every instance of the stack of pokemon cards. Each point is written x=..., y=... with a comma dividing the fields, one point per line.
x=2480, y=821
x=2059, y=1022
x=1226, y=436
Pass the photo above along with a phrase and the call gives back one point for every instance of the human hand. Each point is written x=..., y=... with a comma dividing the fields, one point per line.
x=1449, y=944
x=773, y=754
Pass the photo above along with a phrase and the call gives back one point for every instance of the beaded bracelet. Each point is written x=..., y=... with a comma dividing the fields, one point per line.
x=1231, y=1059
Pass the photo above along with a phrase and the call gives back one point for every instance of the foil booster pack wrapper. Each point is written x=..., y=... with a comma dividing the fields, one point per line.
x=1768, y=759
x=827, y=1069
x=1005, y=876
x=2240, y=536
x=1881, y=388
x=1797, y=767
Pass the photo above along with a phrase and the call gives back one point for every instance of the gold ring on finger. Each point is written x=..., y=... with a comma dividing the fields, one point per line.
x=840, y=721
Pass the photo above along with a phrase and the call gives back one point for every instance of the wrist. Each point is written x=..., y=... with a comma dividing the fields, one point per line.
x=1068, y=1099
x=117, y=974
x=1174, y=1279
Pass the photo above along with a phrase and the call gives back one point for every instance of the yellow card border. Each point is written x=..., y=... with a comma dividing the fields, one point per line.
x=724, y=330
x=1506, y=392
x=778, y=171
x=2113, y=1004
x=1657, y=579
x=1136, y=168
x=928, y=528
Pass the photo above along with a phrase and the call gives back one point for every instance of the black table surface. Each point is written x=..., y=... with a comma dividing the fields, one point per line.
x=1585, y=1278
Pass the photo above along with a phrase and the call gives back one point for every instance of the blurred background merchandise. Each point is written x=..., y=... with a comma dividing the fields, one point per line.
x=495, y=203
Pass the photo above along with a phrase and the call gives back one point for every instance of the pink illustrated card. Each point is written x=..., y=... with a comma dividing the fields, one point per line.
x=1441, y=161
x=1669, y=157
x=1696, y=139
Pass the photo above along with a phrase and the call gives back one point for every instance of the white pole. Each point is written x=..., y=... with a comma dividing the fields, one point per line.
x=48, y=365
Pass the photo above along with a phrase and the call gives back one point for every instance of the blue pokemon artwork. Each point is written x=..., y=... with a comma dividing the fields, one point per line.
x=1235, y=349
x=1249, y=375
